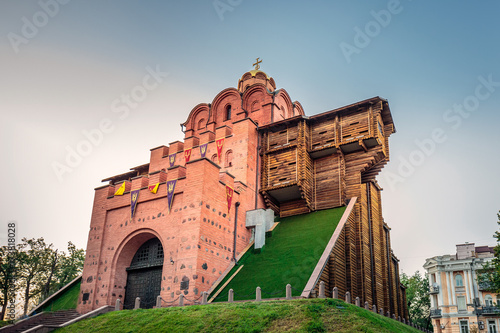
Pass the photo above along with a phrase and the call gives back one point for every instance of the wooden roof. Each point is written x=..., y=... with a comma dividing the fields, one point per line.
x=386, y=113
x=135, y=171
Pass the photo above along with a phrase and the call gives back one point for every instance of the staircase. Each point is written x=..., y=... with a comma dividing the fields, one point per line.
x=43, y=322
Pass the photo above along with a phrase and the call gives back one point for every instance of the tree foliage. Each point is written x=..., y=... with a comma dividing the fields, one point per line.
x=489, y=275
x=8, y=276
x=39, y=270
x=417, y=296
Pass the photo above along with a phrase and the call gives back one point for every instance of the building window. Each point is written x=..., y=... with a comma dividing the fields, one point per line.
x=229, y=158
x=214, y=158
x=459, y=280
x=462, y=306
x=492, y=327
x=464, y=326
x=488, y=300
x=228, y=112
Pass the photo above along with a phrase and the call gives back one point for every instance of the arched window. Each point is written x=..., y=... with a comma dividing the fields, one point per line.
x=229, y=158
x=459, y=280
x=488, y=300
x=214, y=158
x=201, y=124
x=228, y=112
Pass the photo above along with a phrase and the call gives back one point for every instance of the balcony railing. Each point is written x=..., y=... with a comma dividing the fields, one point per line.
x=485, y=286
x=436, y=313
x=434, y=289
x=490, y=310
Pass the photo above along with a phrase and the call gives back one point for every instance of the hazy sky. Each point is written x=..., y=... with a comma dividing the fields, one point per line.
x=67, y=67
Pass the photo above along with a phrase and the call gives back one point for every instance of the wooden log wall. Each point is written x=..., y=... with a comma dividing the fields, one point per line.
x=324, y=133
x=264, y=169
x=329, y=172
x=294, y=207
x=282, y=167
x=282, y=137
x=395, y=285
x=363, y=249
x=337, y=266
x=351, y=254
x=378, y=242
x=305, y=164
x=386, y=269
x=354, y=126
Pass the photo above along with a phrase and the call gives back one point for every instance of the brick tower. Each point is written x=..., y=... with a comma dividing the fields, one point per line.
x=187, y=249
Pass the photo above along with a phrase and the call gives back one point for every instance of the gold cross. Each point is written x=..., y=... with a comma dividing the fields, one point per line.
x=257, y=64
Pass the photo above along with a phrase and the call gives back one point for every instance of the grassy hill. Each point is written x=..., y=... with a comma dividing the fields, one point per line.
x=289, y=256
x=65, y=301
x=300, y=315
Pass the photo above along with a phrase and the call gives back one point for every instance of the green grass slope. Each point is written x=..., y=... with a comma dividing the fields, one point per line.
x=289, y=256
x=67, y=300
x=300, y=315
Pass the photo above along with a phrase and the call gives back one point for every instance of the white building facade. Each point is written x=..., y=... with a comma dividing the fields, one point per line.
x=458, y=303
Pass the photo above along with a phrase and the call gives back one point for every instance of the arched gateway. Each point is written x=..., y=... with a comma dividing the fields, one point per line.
x=144, y=275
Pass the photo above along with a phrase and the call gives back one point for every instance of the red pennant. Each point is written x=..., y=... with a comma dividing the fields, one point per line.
x=229, y=197
x=220, y=144
x=187, y=154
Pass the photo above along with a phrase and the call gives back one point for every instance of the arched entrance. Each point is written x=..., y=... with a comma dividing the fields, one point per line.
x=144, y=275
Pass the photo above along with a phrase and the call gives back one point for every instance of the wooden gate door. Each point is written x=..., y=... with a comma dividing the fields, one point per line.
x=144, y=275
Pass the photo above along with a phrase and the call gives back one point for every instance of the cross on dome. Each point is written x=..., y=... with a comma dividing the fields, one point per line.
x=257, y=67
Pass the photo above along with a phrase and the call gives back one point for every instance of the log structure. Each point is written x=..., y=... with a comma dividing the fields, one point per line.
x=322, y=161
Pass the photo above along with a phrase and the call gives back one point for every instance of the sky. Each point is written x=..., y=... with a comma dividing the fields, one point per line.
x=88, y=87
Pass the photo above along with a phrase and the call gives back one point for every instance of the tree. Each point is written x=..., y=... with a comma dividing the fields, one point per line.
x=34, y=258
x=8, y=275
x=70, y=266
x=43, y=270
x=417, y=296
x=489, y=275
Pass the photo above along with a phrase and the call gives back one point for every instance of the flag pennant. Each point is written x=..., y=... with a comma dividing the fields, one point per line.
x=170, y=192
x=134, y=196
x=153, y=188
x=220, y=144
x=121, y=190
x=171, y=159
x=229, y=197
x=187, y=154
x=203, y=150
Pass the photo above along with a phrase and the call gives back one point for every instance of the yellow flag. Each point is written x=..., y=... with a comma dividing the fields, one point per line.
x=121, y=190
x=153, y=188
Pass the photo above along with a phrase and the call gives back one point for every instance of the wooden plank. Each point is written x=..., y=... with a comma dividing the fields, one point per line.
x=225, y=284
x=313, y=279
